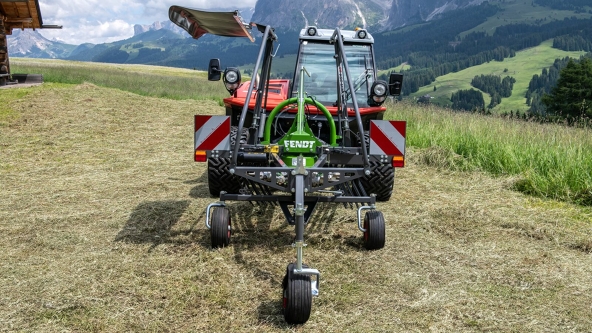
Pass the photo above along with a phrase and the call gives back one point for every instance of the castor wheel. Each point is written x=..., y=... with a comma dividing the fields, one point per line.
x=297, y=296
x=221, y=227
x=375, y=230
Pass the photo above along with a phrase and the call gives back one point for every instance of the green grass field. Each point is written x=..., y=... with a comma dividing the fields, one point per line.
x=522, y=67
x=168, y=82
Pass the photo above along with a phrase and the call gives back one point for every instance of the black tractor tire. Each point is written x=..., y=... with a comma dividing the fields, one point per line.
x=381, y=180
x=374, y=236
x=219, y=176
x=297, y=297
x=220, y=227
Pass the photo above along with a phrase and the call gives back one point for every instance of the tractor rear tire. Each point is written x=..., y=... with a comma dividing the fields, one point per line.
x=219, y=176
x=297, y=297
x=374, y=236
x=221, y=227
x=381, y=181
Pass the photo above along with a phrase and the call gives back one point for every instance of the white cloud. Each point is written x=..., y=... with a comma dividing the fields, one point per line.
x=103, y=21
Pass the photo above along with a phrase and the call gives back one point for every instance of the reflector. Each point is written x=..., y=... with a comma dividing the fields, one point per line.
x=398, y=161
x=200, y=156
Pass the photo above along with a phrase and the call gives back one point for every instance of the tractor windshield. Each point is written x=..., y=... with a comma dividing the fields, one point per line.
x=319, y=61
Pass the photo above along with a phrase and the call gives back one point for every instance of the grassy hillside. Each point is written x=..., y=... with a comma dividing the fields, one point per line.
x=102, y=230
x=521, y=67
x=523, y=12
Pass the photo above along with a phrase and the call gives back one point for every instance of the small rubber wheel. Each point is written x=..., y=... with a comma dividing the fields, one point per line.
x=375, y=230
x=221, y=227
x=297, y=300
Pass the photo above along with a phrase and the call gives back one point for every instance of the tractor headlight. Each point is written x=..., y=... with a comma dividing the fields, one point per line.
x=232, y=79
x=362, y=34
x=311, y=31
x=378, y=92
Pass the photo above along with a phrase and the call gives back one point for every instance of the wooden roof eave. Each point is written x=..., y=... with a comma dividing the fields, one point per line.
x=22, y=14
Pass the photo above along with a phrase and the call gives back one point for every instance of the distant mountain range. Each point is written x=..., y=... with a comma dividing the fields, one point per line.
x=423, y=33
x=284, y=15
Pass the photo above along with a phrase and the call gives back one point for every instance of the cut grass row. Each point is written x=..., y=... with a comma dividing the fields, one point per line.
x=102, y=230
x=549, y=161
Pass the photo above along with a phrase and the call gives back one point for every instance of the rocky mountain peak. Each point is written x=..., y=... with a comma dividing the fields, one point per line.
x=21, y=42
x=378, y=14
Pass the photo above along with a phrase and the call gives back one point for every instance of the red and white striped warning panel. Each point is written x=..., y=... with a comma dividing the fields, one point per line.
x=212, y=133
x=387, y=137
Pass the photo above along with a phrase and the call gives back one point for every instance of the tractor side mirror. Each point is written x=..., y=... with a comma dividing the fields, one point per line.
x=214, y=71
x=395, y=83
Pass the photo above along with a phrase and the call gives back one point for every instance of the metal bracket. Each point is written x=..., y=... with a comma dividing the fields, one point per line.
x=360, y=216
x=300, y=167
x=314, y=285
x=215, y=204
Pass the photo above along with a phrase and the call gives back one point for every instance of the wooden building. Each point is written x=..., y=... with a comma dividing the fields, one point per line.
x=17, y=14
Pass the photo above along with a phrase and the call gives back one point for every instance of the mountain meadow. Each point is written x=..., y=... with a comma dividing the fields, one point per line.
x=102, y=220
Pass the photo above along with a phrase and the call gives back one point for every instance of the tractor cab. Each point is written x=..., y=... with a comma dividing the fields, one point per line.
x=317, y=54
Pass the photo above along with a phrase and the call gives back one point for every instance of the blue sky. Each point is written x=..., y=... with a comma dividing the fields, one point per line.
x=102, y=21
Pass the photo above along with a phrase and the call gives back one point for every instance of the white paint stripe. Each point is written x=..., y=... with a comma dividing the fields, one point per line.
x=391, y=133
x=375, y=148
x=224, y=144
x=208, y=128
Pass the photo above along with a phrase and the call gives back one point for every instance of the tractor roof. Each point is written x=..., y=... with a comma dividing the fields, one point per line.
x=360, y=36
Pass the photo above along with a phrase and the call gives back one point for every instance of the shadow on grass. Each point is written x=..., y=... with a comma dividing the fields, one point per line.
x=151, y=222
x=270, y=312
x=253, y=234
x=201, y=189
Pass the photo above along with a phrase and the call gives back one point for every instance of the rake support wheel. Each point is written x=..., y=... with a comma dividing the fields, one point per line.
x=297, y=296
x=374, y=236
x=221, y=227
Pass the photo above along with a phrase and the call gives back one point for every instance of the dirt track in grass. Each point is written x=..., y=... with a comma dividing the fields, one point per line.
x=101, y=229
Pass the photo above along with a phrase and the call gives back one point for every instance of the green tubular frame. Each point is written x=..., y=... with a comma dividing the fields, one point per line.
x=309, y=101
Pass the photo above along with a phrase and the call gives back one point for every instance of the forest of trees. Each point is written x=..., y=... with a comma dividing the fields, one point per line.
x=468, y=100
x=572, y=43
x=575, y=5
x=495, y=86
